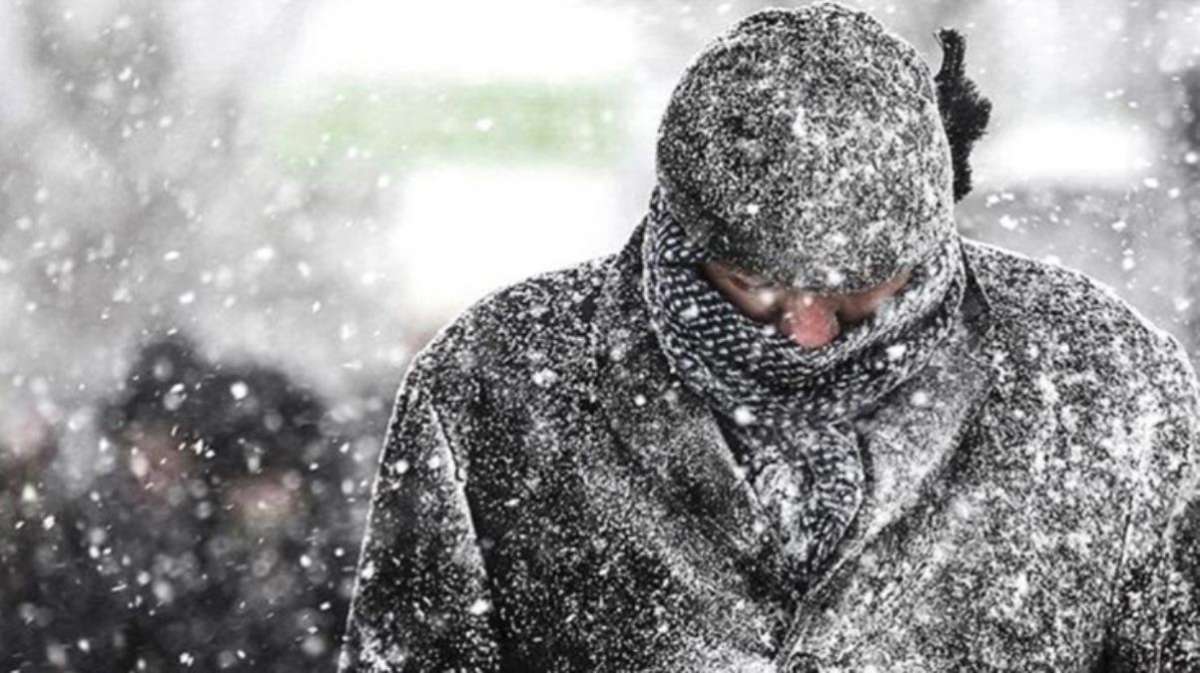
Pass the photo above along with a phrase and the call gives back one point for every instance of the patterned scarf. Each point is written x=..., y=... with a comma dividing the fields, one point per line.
x=789, y=405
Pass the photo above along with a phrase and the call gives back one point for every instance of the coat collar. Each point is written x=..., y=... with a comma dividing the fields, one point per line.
x=662, y=424
x=672, y=431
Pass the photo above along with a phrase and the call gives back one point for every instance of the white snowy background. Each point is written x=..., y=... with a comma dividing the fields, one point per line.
x=316, y=186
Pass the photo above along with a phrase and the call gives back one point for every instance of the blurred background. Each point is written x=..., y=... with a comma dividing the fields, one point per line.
x=227, y=225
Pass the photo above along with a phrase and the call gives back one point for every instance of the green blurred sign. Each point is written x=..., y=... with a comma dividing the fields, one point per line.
x=395, y=125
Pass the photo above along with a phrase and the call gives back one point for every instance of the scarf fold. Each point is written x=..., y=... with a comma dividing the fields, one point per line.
x=789, y=407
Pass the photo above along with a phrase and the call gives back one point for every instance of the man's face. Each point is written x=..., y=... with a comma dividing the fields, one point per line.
x=810, y=319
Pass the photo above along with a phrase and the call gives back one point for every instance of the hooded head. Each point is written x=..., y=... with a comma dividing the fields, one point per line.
x=806, y=146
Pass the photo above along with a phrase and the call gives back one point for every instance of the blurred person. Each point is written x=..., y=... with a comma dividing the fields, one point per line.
x=42, y=614
x=798, y=423
x=213, y=541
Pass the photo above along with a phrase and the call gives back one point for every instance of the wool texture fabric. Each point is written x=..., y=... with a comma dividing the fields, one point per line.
x=790, y=405
x=806, y=145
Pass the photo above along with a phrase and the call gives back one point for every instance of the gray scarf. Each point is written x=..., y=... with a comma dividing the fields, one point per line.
x=789, y=406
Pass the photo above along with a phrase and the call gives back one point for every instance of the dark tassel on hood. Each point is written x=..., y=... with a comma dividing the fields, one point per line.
x=965, y=113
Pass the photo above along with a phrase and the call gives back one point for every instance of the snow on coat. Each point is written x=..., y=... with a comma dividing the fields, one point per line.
x=549, y=498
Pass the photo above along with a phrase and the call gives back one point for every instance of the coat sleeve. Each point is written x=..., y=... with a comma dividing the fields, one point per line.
x=421, y=600
x=1156, y=599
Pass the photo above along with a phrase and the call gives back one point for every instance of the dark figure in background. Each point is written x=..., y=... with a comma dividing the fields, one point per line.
x=44, y=607
x=217, y=537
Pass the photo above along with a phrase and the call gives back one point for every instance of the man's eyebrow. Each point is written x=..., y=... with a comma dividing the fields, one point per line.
x=752, y=278
x=743, y=277
x=734, y=271
x=756, y=283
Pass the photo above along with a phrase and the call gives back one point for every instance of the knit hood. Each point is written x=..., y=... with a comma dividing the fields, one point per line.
x=806, y=146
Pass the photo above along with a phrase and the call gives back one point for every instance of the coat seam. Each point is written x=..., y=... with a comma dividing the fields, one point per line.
x=453, y=451
x=1111, y=617
x=460, y=485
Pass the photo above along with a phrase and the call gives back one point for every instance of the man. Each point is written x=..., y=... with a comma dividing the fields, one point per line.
x=797, y=423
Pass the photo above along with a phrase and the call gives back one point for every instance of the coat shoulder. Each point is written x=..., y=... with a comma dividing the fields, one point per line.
x=1075, y=361
x=1066, y=344
x=525, y=331
x=1039, y=302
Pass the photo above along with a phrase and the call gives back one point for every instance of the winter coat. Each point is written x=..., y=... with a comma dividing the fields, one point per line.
x=549, y=498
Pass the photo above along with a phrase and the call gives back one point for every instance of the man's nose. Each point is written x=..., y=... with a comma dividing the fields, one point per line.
x=808, y=319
